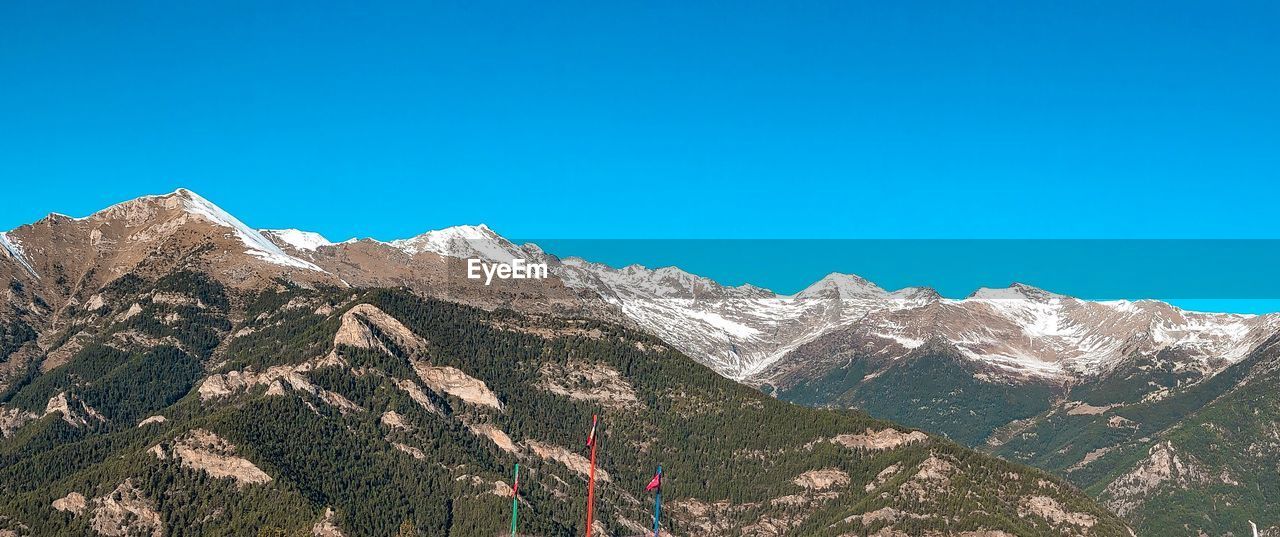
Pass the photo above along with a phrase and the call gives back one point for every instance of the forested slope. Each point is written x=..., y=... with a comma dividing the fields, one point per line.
x=190, y=409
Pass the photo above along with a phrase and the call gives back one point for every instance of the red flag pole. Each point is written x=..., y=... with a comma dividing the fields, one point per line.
x=591, y=483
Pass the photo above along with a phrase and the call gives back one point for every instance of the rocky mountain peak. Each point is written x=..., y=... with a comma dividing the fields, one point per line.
x=297, y=239
x=842, y=286
x=739, y=331
x=463, y=242
x=1015, y=291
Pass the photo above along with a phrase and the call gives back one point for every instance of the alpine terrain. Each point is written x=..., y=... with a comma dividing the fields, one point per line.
x=166, y=369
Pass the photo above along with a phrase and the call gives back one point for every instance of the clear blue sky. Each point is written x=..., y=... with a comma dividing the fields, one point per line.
x=1095, y=119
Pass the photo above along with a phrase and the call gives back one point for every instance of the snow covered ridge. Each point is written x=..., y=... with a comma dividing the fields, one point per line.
x=13, y=249
x=258, y=246
x=462, y=242
x=196, y=206
x=742, y=331
x=747, y=332
x=1024, y=331
x=302, y=240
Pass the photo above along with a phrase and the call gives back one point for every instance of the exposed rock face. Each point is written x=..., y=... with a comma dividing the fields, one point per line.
x=883, y=476
x=572, y=460
x=1049, y=509
x=1118, y=422
x=152, y=420
x=412, y=451
x=205, y=451
x=134, y=309
x=231, y=382
x=454, y=382
x=326, y=527
x=74, y=412
x=276, y=377
x=394, y=420
x=879, y=440
x=415, y=392
x=11, y=419
x=931, y=476
x=1163, y=466
x=73, y=503
x=500, y=489
x=127, y=339
x=934, y=469
x=588, y=382
x=126, y=511
x=495, y=434
x=1090, y=457
x=176, y=299
x=707, y=518
x=890, y=516
x=883, y=514
x=822, y=479
x=355, y=332
x=63, y=353
x=1077, y=408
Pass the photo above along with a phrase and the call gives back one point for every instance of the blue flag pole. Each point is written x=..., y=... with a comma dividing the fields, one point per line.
x=515, y=500
x=657, y=504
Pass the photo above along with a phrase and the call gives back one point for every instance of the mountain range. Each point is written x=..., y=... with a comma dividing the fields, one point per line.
x=1165, y=417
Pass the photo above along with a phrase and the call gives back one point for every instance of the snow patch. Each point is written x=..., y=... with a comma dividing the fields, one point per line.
x=13, y=249
x=725, y=325
x=842, y=286
x=258, y=246
x=461, y=242
x=302, y=240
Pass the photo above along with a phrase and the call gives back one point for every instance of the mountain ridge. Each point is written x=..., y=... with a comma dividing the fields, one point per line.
x=747, y=329
x=1000, y=370
x=171, y=403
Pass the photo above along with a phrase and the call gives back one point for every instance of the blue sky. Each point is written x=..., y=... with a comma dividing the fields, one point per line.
x=1086, y=119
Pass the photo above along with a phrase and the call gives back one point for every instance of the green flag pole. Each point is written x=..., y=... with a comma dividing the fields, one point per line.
x=515, y=500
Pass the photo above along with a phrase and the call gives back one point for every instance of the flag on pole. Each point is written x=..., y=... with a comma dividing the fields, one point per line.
x=656, y=483
x=591, y=437
x=655, y=486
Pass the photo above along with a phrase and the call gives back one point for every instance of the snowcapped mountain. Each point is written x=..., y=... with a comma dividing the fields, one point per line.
x=1023, y=334
x=68, y=258
x=737, y=331
x=1020, y=330
x=255, y=243
x=461, y=242
x=1063, y=383
x=743, y=332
